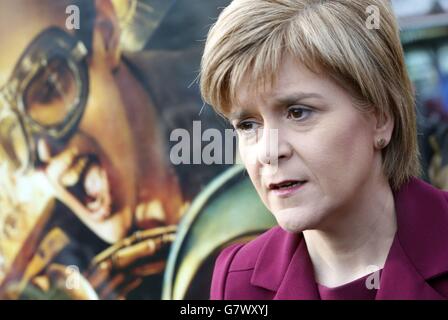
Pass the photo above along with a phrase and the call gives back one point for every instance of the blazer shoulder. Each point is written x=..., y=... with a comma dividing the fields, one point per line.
x=237, y=257
x=443, y=195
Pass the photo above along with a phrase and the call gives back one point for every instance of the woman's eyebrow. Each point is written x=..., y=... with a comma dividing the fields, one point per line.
x=280, y=100
x=239, y=114
x=291, y=98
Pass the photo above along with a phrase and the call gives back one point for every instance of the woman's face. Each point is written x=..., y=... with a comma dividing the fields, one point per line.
x=325, y=147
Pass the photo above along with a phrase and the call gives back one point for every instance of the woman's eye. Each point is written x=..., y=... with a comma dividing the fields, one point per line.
x=298, y=113
x=245, y=126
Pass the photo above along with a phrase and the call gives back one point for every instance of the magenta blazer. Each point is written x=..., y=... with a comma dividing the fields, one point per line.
x=276, y=264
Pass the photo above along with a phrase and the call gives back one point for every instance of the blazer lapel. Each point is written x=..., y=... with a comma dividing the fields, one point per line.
x=418, y=252
x=400, y=279
x=284, y=267
x=298, y=282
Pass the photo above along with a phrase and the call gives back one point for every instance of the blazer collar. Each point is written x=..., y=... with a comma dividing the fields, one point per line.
x=401, y=280
x=422, y=220
x=418, y=252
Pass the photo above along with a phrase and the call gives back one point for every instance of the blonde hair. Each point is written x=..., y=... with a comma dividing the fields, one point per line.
x=251, y=38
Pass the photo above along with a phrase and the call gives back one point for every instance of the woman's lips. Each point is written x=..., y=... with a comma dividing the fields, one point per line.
x=286, y=188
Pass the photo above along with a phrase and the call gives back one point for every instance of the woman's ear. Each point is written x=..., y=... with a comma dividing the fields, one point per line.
x=384, y=126
x=106, y=33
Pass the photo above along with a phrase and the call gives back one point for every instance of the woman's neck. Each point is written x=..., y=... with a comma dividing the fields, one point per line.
x=356, y=240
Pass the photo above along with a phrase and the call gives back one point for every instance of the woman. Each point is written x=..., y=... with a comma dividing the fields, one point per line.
x=318, y=91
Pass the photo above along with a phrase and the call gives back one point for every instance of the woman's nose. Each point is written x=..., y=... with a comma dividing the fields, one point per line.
x=272, y=147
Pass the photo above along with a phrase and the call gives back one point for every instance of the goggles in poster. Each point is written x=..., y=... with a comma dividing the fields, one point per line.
x=45, y=96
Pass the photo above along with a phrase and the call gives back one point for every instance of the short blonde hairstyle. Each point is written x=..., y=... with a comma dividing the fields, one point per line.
x=330, y=37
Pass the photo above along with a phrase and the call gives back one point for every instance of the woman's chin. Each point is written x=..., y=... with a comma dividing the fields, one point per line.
x=294, y=220
x=291, y=225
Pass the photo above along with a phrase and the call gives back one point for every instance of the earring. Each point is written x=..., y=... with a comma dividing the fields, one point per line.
x=381, y=143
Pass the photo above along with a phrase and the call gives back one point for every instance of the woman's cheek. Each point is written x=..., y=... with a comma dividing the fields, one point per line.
x=246, y=153
x=343, y=160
